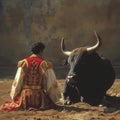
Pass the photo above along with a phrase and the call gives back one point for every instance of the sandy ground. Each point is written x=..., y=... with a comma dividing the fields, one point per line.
x=78, y=111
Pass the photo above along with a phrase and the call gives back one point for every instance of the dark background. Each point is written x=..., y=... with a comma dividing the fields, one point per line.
x=23, y=22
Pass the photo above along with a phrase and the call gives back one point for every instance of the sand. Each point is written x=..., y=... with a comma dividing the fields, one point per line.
x=78, y=111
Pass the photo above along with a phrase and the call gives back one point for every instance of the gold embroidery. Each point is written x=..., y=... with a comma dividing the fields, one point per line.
x=34, y=87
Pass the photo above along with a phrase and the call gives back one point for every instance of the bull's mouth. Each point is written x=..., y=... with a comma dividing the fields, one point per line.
x=71, y=80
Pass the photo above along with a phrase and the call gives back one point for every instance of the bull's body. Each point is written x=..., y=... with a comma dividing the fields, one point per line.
x=90, y=76
x=94, y=77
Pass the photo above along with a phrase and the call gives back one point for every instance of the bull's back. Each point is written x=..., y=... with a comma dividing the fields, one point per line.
x=96, y=76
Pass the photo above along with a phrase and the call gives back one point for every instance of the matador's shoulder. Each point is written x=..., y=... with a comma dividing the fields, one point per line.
x=22, y=63
x=46, y=64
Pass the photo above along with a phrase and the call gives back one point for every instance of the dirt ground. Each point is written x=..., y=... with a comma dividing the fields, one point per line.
x=78, y=111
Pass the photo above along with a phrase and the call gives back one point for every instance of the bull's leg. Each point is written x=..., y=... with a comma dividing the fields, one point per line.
x=65, y=90
x=74, y=94
x=95, y=99
x=66, y=94
x=70, y=94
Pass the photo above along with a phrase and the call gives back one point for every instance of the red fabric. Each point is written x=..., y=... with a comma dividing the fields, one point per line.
x=33, y=65
x=11, y=105
x=37, y=59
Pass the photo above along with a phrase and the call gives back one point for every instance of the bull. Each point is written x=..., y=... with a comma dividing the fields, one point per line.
x=89, y=77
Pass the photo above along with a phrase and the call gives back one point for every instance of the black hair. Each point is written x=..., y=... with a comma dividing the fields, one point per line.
x=37, y=47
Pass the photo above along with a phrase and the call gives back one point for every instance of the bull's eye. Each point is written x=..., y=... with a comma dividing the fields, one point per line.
x=73, y=57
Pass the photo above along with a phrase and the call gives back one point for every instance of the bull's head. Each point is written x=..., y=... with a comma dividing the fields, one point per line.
x=75, y=58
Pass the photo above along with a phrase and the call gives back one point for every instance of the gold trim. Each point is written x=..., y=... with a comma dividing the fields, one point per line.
x=34, y=87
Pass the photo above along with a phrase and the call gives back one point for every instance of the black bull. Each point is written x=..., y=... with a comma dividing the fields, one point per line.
x=90, y=76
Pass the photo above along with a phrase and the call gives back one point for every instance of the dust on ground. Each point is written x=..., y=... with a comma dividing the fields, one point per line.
x=78, y=111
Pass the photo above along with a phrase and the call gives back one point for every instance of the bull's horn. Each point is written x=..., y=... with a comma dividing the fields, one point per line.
x=63, y=48
x=98, y=44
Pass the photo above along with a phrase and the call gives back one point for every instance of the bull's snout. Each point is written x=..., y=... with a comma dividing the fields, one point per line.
x=71, y=79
